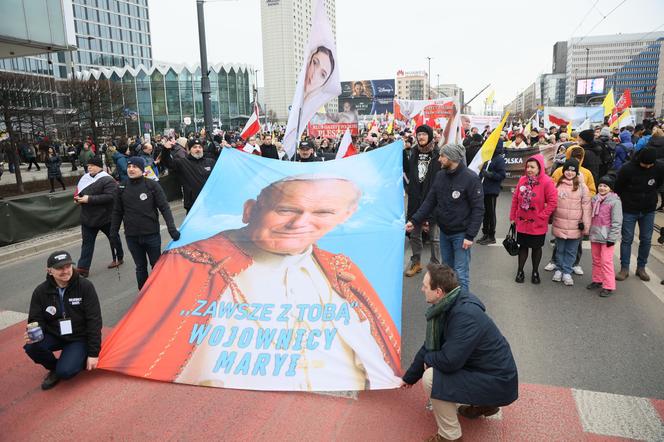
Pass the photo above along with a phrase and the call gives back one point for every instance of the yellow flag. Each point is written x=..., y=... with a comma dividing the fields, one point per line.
x=569, y=130
x=489, y=146
x=490, y=98
x=620, y=118
x=609, y=103
x=527, y=129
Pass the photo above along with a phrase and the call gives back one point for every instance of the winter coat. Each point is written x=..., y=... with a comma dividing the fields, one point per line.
x=607, y=224
x=81, y=305
x=643, y=142
x=658, y=144
x=588, y=178
x=475, y=363
x=120, y=161
x=85, y=156
x=573, y=208
x=192, y=174
x=622, y=155
x=535, y=220
x=592, y=159
x=493, y=172
x=53, y=166
x=457, y=200
x=637, y=186
x=101, y=194
x=418, y=191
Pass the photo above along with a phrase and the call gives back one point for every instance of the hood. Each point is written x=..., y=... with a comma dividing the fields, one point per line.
x=540, y=160
x=568, y=153
x=626, y=138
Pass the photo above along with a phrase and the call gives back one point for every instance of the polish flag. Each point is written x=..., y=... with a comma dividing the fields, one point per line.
x=253, y=125
x=346, y=148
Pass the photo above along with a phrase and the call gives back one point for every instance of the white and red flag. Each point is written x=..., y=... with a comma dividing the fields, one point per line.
x=346, y=148
x=253, y=125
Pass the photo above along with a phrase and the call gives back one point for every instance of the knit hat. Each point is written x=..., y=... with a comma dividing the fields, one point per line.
x=454, y=152
x=607, y=180
x=648, y=156
x=426, y=129
x=97, y=161
x=587, y=135
x=605, y=132
x=138, y=162
x=571, y=164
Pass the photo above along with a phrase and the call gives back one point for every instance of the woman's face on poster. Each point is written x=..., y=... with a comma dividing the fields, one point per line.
x=318, y=71
x=347, y=106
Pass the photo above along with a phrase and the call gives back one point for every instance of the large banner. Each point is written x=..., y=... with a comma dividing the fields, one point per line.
x=515, y=162
x=275, y=282
x=331, y=125
x=479, y=121
x=435, y=113
x=562, y=116
x=368, y=88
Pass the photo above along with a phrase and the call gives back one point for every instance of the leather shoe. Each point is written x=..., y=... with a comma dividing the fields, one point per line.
x=520, y=276
x=438, y=438
x=414, y=269
x=641, y=273
x=115, y=264
x=83, y=272
x=535, y=279
x=622, y=275
x=50, y=380
x=474, y=411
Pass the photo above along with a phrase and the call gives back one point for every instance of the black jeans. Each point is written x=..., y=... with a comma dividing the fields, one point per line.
x=72, y=359
x=32, y=161
x=89, y=235
x=142, y=249
x=489, y=224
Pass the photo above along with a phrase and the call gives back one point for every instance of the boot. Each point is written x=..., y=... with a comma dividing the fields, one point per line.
x=83, y=272
x=482, y=239
x=490, y=240
x=520, y=276
x=114, y=264
x=641, y=273
x=623, y=274
x=415, y=268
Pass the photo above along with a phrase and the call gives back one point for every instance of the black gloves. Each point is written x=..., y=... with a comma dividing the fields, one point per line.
x=582, y=226
x=175, y=234
x=610, y=243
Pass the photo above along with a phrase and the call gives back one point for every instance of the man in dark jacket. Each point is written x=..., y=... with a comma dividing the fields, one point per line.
x=67, y=309
x=492, y=175
x=420, y=170
x=465, y=359
x=305, y=152
x=269, y=150
x=192, y=171
x=591, y=160
x=457, y=199
x=136, y=204
x=96, y=193
x=636, y=185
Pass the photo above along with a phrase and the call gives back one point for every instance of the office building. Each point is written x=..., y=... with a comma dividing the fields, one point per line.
x=412, y=85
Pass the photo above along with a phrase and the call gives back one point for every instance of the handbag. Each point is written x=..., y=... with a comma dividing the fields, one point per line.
x=510, y=243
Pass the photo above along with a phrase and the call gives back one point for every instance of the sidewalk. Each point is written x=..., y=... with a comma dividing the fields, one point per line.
x=102, y=406
x=34, y=174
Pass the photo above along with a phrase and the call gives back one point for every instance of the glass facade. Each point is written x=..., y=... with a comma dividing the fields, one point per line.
x=639, y=75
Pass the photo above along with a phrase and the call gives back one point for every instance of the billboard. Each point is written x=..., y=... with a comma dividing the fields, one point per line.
x=367, y=97
x=331, y=125
x=590, y=86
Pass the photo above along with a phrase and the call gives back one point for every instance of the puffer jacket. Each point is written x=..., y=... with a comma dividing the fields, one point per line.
x=573, y=208
x=535, y=220
x=585, y=173
x=53, y=163
x=606, y=224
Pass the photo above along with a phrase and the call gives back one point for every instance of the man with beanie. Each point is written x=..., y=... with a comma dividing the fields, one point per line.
x=192, y=171
x=457, y=200
x=66, y=308
x=136, y=204
x=591, y=159
x=95, y=194
x=420, y=170
x=637, y=184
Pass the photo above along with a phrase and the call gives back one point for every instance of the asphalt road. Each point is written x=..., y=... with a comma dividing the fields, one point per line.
x=562, y=336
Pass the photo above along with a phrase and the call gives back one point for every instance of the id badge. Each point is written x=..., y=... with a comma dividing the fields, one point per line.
x=65, y=327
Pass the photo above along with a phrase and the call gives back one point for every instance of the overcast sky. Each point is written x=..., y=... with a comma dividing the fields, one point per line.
x=471, y=42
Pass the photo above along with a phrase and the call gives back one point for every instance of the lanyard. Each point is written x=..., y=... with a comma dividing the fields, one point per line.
x=61, y=292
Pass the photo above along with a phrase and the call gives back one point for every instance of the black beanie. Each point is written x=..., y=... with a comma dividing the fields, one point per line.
x=608, y=180
x=648, y=156
x=571, y=164
x=97, y=161
x=427, y=129
x=587, y=135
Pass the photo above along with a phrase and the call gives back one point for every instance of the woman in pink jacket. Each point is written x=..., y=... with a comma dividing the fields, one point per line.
x=571, y=220
x=534, y=201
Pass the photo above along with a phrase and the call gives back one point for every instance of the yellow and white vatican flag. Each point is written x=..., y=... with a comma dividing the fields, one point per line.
x=489, y=146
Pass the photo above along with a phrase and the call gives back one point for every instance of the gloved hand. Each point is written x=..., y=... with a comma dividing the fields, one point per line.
x=582, y=226
x=610, y=243
x=175, y=234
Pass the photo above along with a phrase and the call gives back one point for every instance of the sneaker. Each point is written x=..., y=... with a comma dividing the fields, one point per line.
x=50, y=380
x=577, y=270
x=550, y=267
x=594, y=285
x=482, y=239
x=567, y=280
x=623, y=274
x=490, y=240
x=415, y=268
x=606, y=293
x=641, y=273
x=558, y=276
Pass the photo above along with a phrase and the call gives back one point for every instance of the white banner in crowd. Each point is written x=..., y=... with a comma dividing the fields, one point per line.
x=562, y=116
x=479, y=121
x=318, y=81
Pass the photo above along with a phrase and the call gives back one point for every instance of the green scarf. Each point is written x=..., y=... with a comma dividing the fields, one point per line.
x=433, y=315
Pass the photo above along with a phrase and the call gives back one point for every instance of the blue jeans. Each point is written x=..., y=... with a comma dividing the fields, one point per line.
x=89, y=235
x=142, y=249
x=646, y=222
x=455, y=256
x=566, y=250
x=72, y=359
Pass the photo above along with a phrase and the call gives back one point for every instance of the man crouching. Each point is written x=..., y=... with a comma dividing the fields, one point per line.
x=465, y=359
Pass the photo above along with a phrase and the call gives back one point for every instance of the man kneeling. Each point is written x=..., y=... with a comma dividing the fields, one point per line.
x=465, y=359
x=66, y=309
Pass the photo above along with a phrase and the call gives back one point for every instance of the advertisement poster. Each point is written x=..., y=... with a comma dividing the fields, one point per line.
x=367, y=97
x=274, y=283
x=331, y=125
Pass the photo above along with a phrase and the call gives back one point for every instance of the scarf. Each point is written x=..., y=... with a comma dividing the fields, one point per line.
x=434, y=325
x=528, y=193
x=597, y=202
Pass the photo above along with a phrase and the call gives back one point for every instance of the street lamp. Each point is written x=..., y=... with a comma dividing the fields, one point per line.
x=429, y=79
x=205, y=78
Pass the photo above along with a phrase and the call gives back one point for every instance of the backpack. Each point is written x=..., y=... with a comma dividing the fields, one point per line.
x=606, y=157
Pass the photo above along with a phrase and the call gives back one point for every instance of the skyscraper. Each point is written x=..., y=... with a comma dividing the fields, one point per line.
x=285, y=28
